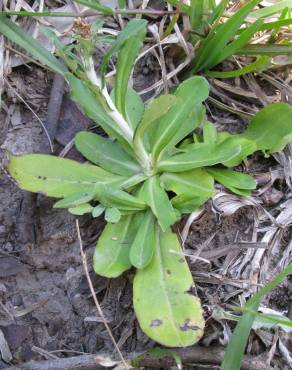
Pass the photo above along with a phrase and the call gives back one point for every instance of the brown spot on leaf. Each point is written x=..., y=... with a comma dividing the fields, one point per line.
x=187, y=326
x=181, y=260
x=168, y=272
x=156, y=322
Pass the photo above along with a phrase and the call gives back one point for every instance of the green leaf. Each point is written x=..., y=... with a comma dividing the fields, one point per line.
x=233, y=180
x=112, y=215
x=105, y=153
x=210, y=50
x=90, y=103
x=262, y=49
x=269, y=126
x=247, y=147
x=209, y=133
x=127, y=56
x=272, y=9
x=190, y=93
x=96, y=5
x=142, y=248
x=97, y=211
x=261, y=64
x=188, y=203
x=33, y=47
x=81, y=209
x=199, y=156
x=111, y=256
x=235, y=349
x=134, y=108
x=75, y=199
x=134, y=28
x=156, y=197
x=166, y=312
x=116, y=198
x=196, y=183
x=57, y=177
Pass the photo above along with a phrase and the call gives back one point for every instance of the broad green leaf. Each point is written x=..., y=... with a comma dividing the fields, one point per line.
x=93, y=108
x=166, y=312
x=157, y=199
x=220, y=35
x=209, y=133
x=106, y=153
x=261, y=64
x=157, y=108
x=142, y=248
x=134, y=28
x=269, y=126
x=98, y=211
x=134, y=108
x=96, y=5
x=57, y=177
x=17, y=35
x=233, y=180
x=75, y=199
x=247, y=147
x=199, y=156
x=196, y=182
x=190, y=93
x=112, y=215
x=111, y=256
x=116, y=198
x=188, y=203
x=81, y=209
x=127, y=56
x=235, y=349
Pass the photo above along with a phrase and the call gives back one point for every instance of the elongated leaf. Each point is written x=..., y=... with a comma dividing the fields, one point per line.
x=218, y=11
x=107, y=154
x=247, y=147
x=270, y=50
x=127, y=56
x=190, y=93
x=142, y=248
x=233, y=180
x=96, y=5
x=57, y=177
x=17, y=35
x=75, y=199
x=94, y=108
x=165, y=311
x=239, y=42
x=261, y=64
x=155, y=196
x=270, y=125
x=220, y=36
x=201, y=155
x=80, y=210
x=134, y=108
x=188, y=203
x=120, y=199
x=133, y=28
x=235, y=349
x=209, y=133
x=272, y=9
x=196, y=182
x=111, y=256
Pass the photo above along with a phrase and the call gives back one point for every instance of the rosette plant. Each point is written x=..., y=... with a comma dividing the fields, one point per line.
x=154, y=164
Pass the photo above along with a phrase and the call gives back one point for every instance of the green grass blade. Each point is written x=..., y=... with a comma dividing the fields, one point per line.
x=219, y=37
x=261, y=64
x=270, y=10
x=235, y=349
x=270, y=50
x=17, y=35
x=218, y=11
x=239, y=42
x=185, y=8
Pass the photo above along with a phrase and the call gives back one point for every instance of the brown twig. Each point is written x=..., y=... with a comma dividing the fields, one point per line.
x=100, y=312
x=195, y=355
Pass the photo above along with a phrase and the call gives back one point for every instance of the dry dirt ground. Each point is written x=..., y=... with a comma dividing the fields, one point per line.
x=46, y=309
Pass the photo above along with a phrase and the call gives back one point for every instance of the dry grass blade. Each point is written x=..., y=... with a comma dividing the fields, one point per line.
x=100, y=312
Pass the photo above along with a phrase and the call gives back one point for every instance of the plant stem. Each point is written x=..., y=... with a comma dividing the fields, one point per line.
x=87, y=14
